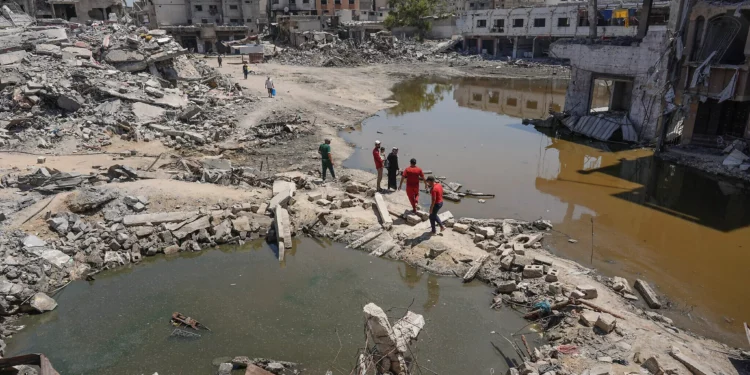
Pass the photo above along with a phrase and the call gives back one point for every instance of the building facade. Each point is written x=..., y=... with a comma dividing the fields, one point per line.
x=529, y=32
x=714, y=84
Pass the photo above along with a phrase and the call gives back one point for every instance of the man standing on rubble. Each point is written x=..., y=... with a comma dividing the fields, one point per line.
x=378, y=158
x=327, y=159
x=392, y=166
x=269, y=86
x=436, y=193
x=219, y=58
x=412, y=175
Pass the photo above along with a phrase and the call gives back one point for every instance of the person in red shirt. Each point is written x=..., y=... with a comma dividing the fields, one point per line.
x=412, y=175
x=378, y=157
x=436, y=191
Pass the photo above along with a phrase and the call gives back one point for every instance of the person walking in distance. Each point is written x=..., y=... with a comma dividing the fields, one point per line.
x=219, y=59
x=436, y=194
x=327, y=159
x=392, y=166
x=269, y=86
x=245, y=70
x=378, y=158
x=412, y=174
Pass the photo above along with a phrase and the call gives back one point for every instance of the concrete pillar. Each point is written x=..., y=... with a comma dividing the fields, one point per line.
x=515, y=47
x=533, y=47
x=592, y=8
x=495, y=46
x=645, y=12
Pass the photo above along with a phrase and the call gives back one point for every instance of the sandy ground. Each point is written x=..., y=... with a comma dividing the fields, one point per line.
x=337, y=97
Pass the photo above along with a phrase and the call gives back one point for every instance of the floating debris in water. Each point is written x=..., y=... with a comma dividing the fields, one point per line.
x=481, y=201
x=572, y=240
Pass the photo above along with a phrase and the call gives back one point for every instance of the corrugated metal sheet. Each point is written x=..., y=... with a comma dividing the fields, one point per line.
x=602, y=127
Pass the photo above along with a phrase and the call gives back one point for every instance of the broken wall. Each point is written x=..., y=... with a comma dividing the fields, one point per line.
x=642, y=63
x=171, y=12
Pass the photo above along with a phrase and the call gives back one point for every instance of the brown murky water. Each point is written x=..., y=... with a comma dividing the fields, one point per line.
x=678, y=228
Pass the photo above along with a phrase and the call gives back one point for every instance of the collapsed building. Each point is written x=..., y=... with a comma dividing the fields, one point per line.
x=713, y=79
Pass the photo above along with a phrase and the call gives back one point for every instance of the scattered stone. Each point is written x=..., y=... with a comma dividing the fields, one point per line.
x=589, y=318
x=506, y=286
x=606, y=323
x=41, y=302
x=589, y=292
x=460, y=228
x=533, y=271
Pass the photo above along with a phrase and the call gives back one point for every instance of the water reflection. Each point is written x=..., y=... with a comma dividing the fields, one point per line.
x=650, y=219
x=412, y=277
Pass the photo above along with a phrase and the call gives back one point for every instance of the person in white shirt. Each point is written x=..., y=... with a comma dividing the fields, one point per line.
x=269, y=86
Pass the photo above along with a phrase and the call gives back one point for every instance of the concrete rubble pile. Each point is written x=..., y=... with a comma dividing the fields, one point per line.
x=326, y=49
x=74, y=88
x=87, y=245
x=258, y=366
x=276, y=129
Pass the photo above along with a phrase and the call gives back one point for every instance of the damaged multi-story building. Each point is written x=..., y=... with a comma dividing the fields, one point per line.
x=202, y=25
x=71, y=10
x=714, y=85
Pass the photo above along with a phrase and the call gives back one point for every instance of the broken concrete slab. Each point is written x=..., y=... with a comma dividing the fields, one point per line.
x=651, y=298
x=47, y=49
x=283, y=230
x=589, y=291
x=201, y=223
x=158, y=218
x=282, y=186
x=14, y=57
x=242, y=224
x=382, y=208
x=76, y=53
x=696, y=367
x=146, y=112
x=280, y=199
x=407, y=329
x=54, y=257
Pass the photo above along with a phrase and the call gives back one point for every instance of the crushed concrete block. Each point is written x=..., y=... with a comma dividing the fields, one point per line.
x=323, y=202
x=172, y=249
x=552, y=276
x=555, y=288
x=533, y=271
x=506, y=286
x=620, y=284
x=589, y=291
x=47, y=49
x=76, y=53
x=487, y=232
x=41, y=159
x=312, y=197
x=242, y=224
x=460, y=228
x=506, y=263
x=478, y=238
x=588, y=318
x=606, y=323
x=70, y=102
x=41, y=303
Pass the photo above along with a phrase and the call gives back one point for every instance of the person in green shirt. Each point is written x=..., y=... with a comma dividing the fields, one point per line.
x=327, y=158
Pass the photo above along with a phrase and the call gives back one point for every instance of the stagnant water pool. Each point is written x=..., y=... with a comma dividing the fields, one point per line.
x=296, y=311
x=676, y=227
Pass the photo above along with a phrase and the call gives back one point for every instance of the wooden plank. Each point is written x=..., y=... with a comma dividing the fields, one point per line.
x=475, y=268
x=158, y=218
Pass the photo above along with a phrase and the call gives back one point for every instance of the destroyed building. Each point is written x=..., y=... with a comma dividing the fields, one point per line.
x=713, y=81
x=202, y=26
x=528, y=32
x=635, y=68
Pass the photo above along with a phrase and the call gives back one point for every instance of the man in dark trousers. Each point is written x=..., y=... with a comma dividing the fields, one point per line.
x=412, y=175
x=219, y=58
x=436, y=193
x=392, y=162
x=327, y=158
x=378, y=158
x=245, y=70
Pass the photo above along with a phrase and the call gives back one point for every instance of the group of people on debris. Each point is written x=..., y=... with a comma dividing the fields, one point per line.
x=413, y=175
